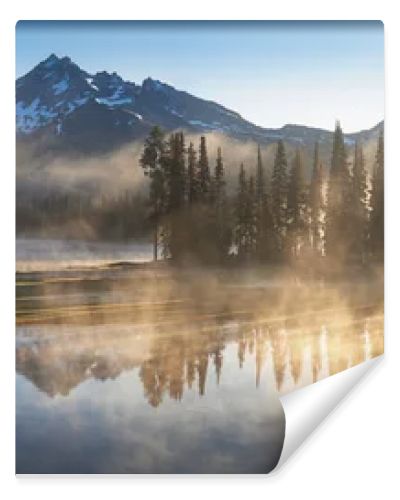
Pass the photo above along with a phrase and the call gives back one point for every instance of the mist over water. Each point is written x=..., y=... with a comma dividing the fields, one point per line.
x=151, y=369
x=33, y=254
x=171, y=284
x=129, y=365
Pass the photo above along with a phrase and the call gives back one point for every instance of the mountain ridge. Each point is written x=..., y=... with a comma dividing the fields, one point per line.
x=66, y=108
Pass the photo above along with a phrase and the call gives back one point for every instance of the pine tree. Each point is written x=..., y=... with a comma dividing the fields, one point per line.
x=339, y=207
x=219, y=181
x=250, y=220
x=193, y=188
x=377, y=204
x=176, y=181
x=279, y=195
x=260, y=177
x=204, y=171
x=316, y=203
x=218, y=236
x=240, y=213
x=176, y=172
x=296, y=206
x=153, y=161
x=222, y=230
x=360, y=214
x=264, y=223
x=192, y=215
x=246, y=217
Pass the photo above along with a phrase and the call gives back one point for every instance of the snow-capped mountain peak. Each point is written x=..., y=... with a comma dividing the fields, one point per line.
x=60, y=100
x=57, y=88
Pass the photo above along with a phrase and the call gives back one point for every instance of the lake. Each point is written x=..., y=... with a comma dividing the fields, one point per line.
x=51, y=254
x=141, y=369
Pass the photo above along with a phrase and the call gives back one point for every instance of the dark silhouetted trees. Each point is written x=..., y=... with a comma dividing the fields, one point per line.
x=220, y=216
x=279, y=195
x=339, y=203
x=204, y=171
x=193, y=181
x=296, y=207
x=240, y=214
x=265, y=235
x=360, y=208
x=316, y=202
x=376, y=226
x=195, y=220
x=154, y=163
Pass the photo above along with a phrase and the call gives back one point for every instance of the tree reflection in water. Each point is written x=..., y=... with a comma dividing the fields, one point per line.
x=170, y=360
x=170, y=375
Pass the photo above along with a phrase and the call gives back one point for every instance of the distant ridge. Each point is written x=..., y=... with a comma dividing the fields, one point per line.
x=66, y=108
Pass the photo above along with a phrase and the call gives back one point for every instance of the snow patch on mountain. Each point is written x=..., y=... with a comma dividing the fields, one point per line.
x=111, y=101
x=116, y=99
x=136, y=115
x=76, y=103
x=199, y=123
x=91, y=84
x=173, y=112
x=230, y=113
x=60, y=87
x=31, y=116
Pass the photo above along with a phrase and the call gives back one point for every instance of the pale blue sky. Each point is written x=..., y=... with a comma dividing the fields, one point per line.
x=272, y=73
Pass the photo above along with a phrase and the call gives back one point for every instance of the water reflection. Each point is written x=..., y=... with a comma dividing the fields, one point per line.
x=155, y=379
x=58, y=359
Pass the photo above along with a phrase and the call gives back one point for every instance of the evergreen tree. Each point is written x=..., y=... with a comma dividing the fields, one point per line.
x=260, y=177
x=153, y=161
x=176, y=172
x=279, y=194
x=339, y=207
x=193, y=198
x=264, y=223
x=240, y=213
x=377, y=204
x=360, y=214
x=193, y=188
x=246, y=217
x=316, y=202
x=204, y=247
x=176, y=181
x=204, y=171
x=219, y=180
x=296, y=206
x=250, y=220
x=222, y=229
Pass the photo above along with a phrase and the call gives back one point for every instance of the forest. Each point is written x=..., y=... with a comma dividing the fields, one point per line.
x=199, y=208
x=334, y=218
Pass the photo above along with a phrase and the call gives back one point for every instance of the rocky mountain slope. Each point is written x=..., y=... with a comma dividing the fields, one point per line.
x=61, y=107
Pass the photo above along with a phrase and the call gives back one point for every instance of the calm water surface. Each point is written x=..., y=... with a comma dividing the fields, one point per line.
x=128, y=371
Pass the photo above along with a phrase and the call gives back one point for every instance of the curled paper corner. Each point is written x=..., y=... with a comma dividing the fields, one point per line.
x=305, y=409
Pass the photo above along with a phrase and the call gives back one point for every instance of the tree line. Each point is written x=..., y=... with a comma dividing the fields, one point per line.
x=82, y=215
x=335, y=215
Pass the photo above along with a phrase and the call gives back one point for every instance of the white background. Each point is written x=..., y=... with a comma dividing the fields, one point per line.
x=355, y=453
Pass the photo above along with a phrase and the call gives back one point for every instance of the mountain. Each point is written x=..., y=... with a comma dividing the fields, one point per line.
x=61, y=107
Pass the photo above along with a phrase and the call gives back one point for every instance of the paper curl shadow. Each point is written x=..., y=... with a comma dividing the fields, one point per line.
x=305, y=409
